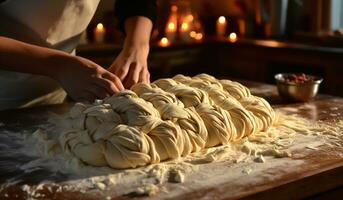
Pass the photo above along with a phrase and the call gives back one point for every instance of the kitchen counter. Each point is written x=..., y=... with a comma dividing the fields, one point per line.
x=319, y=176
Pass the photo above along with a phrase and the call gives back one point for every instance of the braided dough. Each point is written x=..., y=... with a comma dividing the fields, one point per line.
x=164, y=120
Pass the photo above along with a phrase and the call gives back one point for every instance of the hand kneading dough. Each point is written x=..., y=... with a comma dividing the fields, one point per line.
x=164, y=120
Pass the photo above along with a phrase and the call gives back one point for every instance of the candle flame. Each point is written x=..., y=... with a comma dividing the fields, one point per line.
x=233, y=37
x=221, y=19
x=100, y=26
x=164, y=42
x=171, y=26
x=184, y=26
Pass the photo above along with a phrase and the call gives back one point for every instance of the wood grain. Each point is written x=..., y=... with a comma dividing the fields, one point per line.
x=320, y=176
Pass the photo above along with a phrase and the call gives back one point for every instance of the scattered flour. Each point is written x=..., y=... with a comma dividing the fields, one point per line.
x=254, y=158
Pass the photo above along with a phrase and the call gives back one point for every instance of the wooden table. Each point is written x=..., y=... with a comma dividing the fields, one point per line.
x=319, y=177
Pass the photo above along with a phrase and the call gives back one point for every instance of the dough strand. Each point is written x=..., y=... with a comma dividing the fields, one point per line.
x=166, y=119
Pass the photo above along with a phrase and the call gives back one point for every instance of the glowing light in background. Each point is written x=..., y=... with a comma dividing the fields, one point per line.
x=190, y=17
x=221, y=26
x=199, y=36
x=193, y=34
x=164, y=42
x=221, y=19
x=184, y=26
x=100, y=26
x=174, y=8
x=171, y=26
x=99, y=33
x=233, y=37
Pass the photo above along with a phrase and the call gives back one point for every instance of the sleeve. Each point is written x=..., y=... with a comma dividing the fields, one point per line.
x=128, y=8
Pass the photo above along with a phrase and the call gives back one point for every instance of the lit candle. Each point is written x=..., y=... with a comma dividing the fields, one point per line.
x=171, y=31
x=184, y=26
x=184, y=31
x=221, y=26
x=171, y=27
x=233, y=37
x=99, y=33
x=164, y=42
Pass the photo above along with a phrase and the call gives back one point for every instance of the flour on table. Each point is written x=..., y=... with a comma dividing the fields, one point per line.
x=275, y=147
x=251, y=154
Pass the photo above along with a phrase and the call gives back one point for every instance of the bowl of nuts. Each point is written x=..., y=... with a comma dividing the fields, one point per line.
x=297, y=87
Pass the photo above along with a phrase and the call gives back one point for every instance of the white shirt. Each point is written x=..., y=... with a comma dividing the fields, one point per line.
x=56, y=24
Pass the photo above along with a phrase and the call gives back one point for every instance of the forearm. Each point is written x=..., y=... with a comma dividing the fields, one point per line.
x=83, y=79
x=138, y=30
x=26, y=58
x=131, y=64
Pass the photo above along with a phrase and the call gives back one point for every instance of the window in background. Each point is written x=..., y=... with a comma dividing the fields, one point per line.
x=336, y=17
x=317, y=21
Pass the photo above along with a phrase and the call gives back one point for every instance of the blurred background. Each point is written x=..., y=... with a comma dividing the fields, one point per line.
x=238, y=39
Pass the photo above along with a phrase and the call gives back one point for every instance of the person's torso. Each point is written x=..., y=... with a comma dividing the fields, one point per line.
x=56, y=24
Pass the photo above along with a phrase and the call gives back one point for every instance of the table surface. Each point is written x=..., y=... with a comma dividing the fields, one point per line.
x=321, y=171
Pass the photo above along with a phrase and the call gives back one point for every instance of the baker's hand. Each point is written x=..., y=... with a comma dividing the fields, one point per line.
x=131, y=65
x=84, y=80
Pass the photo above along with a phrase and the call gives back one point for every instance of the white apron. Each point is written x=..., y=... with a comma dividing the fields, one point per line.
x=56, y=24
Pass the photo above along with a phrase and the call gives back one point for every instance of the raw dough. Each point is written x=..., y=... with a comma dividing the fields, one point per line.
x=164, y=120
